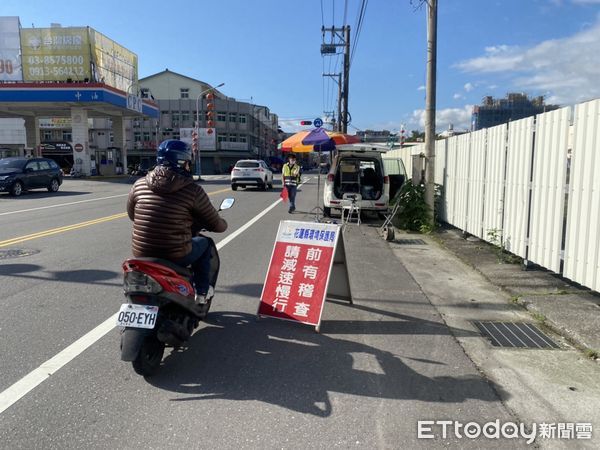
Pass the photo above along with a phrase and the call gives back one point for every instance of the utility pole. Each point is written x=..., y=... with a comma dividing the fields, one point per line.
x=346, y=75
x=340, y=37
x=430, y=106
x=339, y=103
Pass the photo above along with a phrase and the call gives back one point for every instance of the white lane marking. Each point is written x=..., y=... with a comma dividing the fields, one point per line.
x=34, y=378
x=18, y=390
x=62, y=204
x=243, y=228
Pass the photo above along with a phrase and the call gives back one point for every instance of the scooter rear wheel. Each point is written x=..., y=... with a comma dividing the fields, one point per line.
x=149, y=357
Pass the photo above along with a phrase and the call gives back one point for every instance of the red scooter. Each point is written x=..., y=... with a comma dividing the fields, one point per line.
x=161, y=309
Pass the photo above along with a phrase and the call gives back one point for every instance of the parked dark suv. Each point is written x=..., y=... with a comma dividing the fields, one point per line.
x=18, y=174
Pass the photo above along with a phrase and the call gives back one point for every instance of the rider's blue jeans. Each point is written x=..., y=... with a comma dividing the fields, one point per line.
x=199, y=259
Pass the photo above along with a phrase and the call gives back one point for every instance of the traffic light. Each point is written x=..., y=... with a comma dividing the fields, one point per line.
x=306, y=122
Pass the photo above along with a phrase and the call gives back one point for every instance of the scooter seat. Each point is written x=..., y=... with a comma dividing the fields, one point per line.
x=171, y=265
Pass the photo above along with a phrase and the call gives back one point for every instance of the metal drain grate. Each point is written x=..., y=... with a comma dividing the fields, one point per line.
x=514, y=335
x=16, y=253
x=411, y=242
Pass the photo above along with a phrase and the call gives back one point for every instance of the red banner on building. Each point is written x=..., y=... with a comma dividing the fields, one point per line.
x=299, y=270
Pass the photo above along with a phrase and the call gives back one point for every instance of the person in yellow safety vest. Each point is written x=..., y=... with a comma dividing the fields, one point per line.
x=290, y=175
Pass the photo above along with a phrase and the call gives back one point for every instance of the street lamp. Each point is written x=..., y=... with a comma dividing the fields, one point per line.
x=124, y=149
x=198, y=163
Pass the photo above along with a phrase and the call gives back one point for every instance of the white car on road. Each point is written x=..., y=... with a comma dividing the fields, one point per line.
x=251, y=172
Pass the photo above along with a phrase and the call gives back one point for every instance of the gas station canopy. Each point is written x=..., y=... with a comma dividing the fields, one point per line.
x=55, y=99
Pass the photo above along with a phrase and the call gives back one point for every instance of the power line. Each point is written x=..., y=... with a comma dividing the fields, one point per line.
x=359, y=15
x=356, y=128
x=322, y=15
x=331, y=80
x=324, y=99
x=358, y=28
x=333, y=15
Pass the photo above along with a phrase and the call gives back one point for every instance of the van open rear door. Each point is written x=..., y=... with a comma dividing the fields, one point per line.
x=396, y=173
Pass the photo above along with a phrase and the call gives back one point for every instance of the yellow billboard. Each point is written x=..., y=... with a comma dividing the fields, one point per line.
x=113, y=63
x=55, y=54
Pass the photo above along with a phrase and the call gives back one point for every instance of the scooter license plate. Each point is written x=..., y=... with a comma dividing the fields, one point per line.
x=137, y=316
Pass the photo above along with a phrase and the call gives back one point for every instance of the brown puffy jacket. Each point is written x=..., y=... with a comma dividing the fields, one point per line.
x=163, y=207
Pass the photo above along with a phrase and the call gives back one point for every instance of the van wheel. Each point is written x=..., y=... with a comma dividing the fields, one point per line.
x=327, y=211
x=234, y=187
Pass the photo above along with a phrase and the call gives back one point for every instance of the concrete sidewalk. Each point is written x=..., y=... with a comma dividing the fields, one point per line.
x=536, y=385
x=571, y=311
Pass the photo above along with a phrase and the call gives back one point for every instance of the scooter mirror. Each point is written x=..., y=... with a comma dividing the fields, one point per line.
x=226, y=203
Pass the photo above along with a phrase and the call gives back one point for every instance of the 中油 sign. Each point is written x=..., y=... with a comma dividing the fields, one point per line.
x=299, y=271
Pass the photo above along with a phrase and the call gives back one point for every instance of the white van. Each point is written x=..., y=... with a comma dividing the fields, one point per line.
x=360, y=173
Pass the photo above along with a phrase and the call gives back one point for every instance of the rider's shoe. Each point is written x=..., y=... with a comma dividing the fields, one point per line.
x=203, y=298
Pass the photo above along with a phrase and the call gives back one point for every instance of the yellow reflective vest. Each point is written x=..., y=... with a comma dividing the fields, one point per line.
x=291, y=174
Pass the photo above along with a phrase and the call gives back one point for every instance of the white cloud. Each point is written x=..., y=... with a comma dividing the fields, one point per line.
x=566, y=70
x=460, y=118
x=496, y=49
x=469, y=87
x=458, y=96
x=421, y=88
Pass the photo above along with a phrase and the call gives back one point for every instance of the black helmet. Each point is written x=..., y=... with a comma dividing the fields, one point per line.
x=173, y=153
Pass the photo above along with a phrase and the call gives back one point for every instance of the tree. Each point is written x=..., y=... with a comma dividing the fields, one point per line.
x=416, y=135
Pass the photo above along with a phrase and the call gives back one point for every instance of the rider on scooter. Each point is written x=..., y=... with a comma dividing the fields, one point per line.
x=164, y=206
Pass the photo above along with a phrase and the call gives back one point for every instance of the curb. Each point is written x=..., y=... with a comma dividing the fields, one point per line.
x=570, y=337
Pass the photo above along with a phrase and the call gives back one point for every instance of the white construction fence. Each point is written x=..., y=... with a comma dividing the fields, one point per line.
x=532, y=186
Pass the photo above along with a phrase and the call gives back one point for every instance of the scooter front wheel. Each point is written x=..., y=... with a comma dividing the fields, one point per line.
x=149, y=357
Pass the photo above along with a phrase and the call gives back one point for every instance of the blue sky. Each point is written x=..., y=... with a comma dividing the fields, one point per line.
x=269, y=50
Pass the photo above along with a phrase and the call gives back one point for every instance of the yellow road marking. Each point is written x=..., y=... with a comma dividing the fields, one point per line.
x=75, y=226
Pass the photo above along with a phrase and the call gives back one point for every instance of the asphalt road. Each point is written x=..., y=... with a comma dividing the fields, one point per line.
x=363, y=382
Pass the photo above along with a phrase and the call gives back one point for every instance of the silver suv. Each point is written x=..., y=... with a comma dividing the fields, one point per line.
x=251, y=172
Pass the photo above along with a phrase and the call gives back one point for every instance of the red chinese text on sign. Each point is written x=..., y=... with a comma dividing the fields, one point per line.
x=298, y=274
